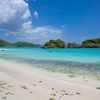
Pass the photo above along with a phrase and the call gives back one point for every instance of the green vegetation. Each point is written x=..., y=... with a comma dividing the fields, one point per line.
x=97, y=40
x=23, y=44
x=92, y=43
x=4, y=43
x=55, y=44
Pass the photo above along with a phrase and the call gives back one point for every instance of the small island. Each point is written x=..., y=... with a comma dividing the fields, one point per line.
x=91, y=43
x=55, y=44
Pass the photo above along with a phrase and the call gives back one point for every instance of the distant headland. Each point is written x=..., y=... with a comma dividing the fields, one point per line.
x=58, y=43
x=18, y=44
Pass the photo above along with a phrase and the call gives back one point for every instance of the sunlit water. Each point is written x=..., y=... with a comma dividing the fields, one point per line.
x=71, y=61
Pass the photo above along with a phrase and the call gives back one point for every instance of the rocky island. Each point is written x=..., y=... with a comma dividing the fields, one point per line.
x=91, y=43
x=55, y=44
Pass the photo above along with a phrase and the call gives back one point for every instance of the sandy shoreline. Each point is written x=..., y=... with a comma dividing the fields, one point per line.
x=18, y=82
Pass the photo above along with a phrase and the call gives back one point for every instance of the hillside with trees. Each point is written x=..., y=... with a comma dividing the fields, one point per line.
x=18, y=44
x=4, y=43
x=91, y=43
x=55, y=44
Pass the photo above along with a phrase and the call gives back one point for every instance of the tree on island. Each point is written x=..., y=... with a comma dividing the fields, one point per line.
x=55, y=44
x=92, y=43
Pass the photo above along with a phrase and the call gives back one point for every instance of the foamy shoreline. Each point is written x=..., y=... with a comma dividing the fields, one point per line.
x=19, y=82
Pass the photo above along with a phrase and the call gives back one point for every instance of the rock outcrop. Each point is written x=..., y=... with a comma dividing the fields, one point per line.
x=55, y=44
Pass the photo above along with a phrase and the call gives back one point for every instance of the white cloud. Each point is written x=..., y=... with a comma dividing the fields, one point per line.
x=15, y=18
x=35, y=14
x=39, y=34
x=27, y=14
x=11, y=9
x=13, y=13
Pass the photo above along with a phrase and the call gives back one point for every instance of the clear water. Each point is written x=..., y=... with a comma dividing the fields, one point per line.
x=75, y=61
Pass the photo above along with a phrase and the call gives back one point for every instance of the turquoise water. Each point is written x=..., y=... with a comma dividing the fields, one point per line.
x=75, y=61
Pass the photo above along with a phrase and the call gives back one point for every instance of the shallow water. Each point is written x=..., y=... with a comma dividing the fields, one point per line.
x=74, y=61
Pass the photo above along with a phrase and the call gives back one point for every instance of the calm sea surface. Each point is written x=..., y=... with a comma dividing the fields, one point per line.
x=74, y=61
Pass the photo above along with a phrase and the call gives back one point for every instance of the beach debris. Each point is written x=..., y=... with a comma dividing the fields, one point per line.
x=63, y=90
x=62, y=94
x=40, y=81
x=34, y=84
x=78, y=93
x=51, y=99
x=11, y=93
x=97, y=87
x=53, y=94
x=8, y=93
x=31, y=92
x=66, y=93
x=71, y=94
x=2, y=83
x=2, y=87
x=53, y=88
x=4, y=97
x=24, y=87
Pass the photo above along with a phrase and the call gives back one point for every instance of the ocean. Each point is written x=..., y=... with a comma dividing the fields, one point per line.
x=77, y=61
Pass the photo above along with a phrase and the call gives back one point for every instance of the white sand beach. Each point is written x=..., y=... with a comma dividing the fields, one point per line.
x=20, y=82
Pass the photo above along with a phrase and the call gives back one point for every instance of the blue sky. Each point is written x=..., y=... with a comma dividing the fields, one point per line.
x=41, y=20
